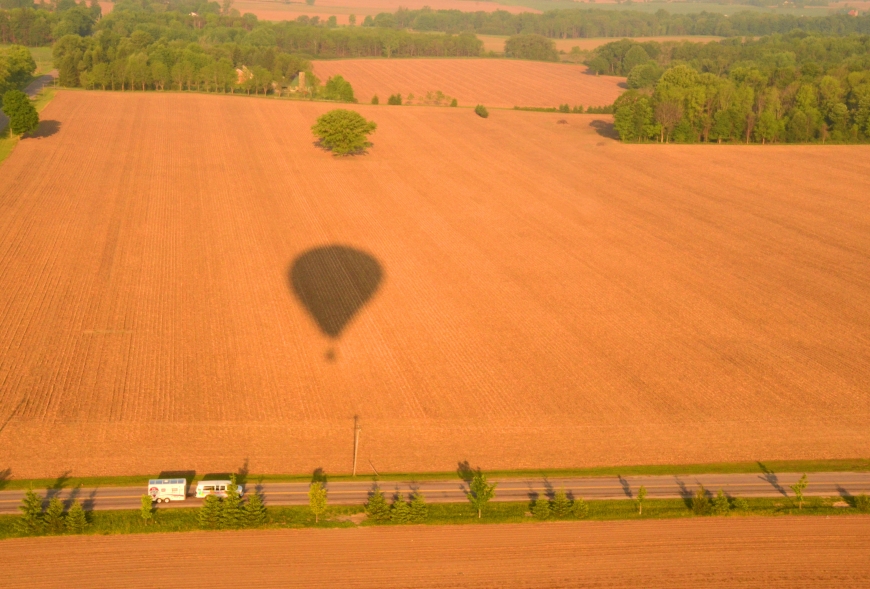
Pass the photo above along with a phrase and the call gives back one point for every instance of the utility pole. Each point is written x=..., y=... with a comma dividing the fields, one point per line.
x=356, y=429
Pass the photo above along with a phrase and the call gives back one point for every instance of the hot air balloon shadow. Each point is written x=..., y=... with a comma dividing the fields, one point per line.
x=333, y=283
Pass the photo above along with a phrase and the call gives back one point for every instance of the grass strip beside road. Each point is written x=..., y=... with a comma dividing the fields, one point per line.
x=185, y=520
x=760, y=467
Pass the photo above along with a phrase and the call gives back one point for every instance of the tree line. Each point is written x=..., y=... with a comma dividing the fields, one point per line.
x=585, y=22
x=795, y=88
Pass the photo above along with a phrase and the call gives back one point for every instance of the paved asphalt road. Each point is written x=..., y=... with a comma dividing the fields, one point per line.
x=515, y=489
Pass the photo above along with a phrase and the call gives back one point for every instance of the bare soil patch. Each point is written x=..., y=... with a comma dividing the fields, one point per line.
x=493, y=82
x=733, y=553
x=548, y=297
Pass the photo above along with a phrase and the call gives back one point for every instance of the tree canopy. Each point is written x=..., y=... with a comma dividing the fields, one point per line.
x=344, y=132
x=794, y=88
x=23, y=117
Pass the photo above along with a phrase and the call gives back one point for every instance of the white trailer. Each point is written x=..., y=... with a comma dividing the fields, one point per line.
x=219, y=488
x=166, y=490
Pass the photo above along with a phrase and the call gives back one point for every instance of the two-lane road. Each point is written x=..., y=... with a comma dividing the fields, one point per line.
x=513, y=489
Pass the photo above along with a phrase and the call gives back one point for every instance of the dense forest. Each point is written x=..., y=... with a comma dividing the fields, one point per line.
x=793, y=88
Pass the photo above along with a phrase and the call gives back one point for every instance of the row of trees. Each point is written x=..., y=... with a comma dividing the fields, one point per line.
x=107, y=61
x=583, y=22
x=225, y=513
x=531, y=46
x=53, y=519
x=779, y=96
x=777, y=55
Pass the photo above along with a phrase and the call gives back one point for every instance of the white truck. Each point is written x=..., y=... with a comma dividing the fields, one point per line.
x=219, y=488
x=166, y=490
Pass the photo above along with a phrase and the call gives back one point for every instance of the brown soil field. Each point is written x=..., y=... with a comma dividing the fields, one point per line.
x=493, y=82
x=548, y=297
x=736, y=552
x=341, y=9
x=496, y=42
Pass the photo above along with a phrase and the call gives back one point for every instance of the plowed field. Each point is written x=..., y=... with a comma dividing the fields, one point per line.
x=341, y=9
x=493, y=82
x=496, y=42
x=782, y=553
x=541, y=295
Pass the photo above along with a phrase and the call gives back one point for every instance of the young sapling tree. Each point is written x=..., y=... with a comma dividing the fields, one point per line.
x=480, y=492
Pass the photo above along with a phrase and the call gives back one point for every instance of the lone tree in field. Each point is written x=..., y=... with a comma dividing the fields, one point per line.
x=23, y=117
x=255, y=511
x=209, y=516
x=561, y=504
x=798, y=489
x=401, y=511
x=377, y=508
x=721, y=505
x=541, y=508
x=31, y=521
x=700, y=502
x=317, y=500
x=344, y=132
x=76, y=520
x=54, y=516
x=146, y=511
x=480, y=492
x=231, y=513
x=641, y=495
x=419, y=509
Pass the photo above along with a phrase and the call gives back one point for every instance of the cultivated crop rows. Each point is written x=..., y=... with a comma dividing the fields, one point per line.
x=550, y=297
x=733, y=553
x=492, y=82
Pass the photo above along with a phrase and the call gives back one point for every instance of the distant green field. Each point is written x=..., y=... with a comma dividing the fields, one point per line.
x=672, y=7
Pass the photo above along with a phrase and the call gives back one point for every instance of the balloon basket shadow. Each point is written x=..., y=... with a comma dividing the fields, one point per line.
x=331, y=355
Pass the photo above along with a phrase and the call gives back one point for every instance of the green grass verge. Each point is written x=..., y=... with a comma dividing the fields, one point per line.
x=779, y=466
x=9, y=141
x=185, y=520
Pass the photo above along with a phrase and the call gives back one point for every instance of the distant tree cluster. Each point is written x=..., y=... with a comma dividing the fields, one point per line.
x=22, y=23
x=561, y=506
x=576, y=23
x=400, y=512
x=531, y=46
x=791, y=89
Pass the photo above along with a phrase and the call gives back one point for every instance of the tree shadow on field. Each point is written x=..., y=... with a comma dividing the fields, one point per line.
x=333, y=283
x=685, y=493
x=605, y=129
x=57, y=486
x=319, y=476
x=770, y=477
x=626, y=487
x=364, y=151
x=45, y=129
x=5, y=477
